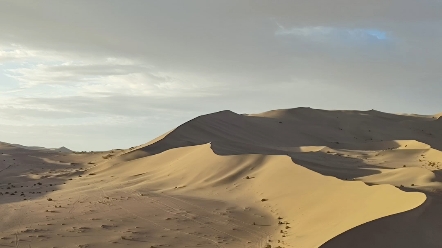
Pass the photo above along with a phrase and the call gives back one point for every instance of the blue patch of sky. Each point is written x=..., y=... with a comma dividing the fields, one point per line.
x=360, y=35
x=379, y=34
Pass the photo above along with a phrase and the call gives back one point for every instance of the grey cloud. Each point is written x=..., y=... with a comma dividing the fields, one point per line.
x=232, y=52
x=234, y=38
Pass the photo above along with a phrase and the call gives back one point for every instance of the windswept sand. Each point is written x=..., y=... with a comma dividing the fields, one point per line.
x=289, y=178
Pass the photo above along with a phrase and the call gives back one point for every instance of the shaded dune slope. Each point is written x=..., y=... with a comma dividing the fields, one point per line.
x=419, y=227
x=271, y=132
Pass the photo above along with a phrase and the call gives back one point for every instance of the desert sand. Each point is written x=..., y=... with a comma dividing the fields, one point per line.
x=285, y=178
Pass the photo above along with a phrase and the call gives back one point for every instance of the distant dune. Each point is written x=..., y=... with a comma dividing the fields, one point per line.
x=61, y=149
x=285, y=178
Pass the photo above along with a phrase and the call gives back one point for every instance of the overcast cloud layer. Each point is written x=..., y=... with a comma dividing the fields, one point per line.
x=94, y=75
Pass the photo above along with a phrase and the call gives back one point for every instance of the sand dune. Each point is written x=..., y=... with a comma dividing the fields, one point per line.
x=61, y=149
x=290, y=178
x=289, y=188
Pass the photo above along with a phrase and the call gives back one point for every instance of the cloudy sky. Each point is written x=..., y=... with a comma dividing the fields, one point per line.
x=95, y=75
